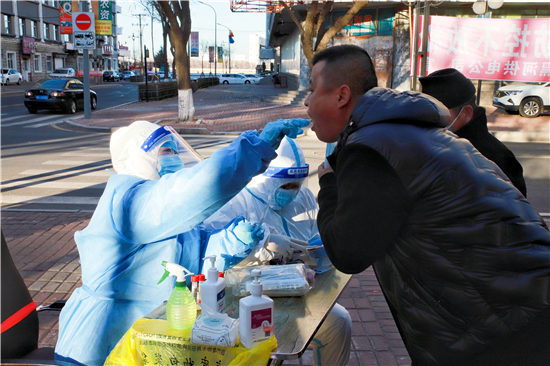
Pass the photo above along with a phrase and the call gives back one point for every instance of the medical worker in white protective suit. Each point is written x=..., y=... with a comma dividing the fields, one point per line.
x=149, y=213
x=289, y=209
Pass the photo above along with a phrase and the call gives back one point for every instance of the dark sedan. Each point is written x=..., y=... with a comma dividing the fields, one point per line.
x=111, y=76
x=58, y=94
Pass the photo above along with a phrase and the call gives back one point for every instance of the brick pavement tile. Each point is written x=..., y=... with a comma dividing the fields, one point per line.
x=71, y=267
x=74, y=277
x=403, y=360
x=357, y=329
x=65, y=287
x=48, y=275
x=372, y=328
x=354, y=282
x=49, y=339
x=361, y=343
x=386, y=358
x=45, y=266
x=30, y=275
x=353, y=360
x=354, y=315
x=379, y=343
x=392, y=336
x=48, y=319
x=356, y=292
x=38, y=285
x=366, y=315
x=41, y=297
x=50, y=286
x=61, y=276
x=368, y=359
x=390, y=328
x=361, y=303
x=57, y=296
x=348, y=303
x=57, y=267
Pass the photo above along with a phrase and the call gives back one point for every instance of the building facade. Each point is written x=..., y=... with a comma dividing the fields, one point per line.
x=32, y=42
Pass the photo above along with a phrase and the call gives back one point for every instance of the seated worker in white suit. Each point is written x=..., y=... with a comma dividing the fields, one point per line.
x=287, y=208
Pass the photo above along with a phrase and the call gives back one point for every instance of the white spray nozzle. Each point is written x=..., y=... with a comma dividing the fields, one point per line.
x=212, y=260
x=173, y=269
x=256, y=285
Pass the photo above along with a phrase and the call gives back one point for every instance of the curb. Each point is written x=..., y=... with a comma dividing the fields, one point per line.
x=508, y=136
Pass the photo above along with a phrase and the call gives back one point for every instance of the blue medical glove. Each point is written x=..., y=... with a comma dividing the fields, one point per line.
x=258, y=232
x=244, y=232
x=274, y=132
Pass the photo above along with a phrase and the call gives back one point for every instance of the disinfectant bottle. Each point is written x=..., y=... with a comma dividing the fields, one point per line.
x=181, y=309
x=213, y=289
x=256, y=316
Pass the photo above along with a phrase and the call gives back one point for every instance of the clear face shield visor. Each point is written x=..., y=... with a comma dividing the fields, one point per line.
x=170, y=150
x=285, y=184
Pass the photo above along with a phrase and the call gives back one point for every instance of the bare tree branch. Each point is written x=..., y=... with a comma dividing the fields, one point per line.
x=293, y=16
x=341, y=23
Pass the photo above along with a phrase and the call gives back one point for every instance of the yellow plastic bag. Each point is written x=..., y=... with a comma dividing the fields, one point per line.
x=153, y=342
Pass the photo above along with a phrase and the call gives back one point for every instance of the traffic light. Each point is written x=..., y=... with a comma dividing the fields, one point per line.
x=231, y=40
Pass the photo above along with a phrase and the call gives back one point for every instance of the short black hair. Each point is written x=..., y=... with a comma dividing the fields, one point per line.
x=350, y=65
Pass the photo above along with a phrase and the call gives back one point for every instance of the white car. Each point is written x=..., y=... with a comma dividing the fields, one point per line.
x=255, y=78
x=63, y=73
x=530, y=100
x=10, y=76
x=234, y=79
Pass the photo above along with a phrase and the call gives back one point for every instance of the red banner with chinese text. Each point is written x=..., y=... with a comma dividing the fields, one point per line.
x=489, y=49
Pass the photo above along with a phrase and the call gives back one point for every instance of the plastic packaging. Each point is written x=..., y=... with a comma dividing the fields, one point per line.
x=181, y=309
x=277, y=281
x=213, y=289
x=256, y=315
x=215, y=329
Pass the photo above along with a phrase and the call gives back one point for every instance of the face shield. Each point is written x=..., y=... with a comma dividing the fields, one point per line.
x=170, y=151
x=286, y=175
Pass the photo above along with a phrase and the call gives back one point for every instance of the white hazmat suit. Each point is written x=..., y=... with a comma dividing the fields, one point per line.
x=298, y=220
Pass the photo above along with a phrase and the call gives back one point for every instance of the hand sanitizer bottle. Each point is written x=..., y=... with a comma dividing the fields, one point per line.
x=256, y=316
x=181, y=309
x=213, y=289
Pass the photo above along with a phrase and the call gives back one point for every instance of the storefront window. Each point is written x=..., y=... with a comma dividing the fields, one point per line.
x=37, y=63
x=49, y=64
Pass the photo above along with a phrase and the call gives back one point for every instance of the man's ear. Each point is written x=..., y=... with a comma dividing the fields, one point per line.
x=344, y=95
x=468, y=113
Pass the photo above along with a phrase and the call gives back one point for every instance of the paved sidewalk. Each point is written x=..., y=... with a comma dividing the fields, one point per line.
x=44, y=251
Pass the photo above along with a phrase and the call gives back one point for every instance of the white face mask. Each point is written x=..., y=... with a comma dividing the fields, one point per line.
x=454, y=120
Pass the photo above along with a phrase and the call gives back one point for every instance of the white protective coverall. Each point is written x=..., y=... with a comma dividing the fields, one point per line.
x=140, y=221
x=331, y=345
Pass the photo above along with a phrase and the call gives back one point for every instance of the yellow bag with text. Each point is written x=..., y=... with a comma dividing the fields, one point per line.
x=152, y=341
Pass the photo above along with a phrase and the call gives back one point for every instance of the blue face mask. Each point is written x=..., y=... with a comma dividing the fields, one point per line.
x=169, y=164
x=284, y=196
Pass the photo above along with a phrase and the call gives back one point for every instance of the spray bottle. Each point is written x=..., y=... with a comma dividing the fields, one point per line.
x=256, y=316
x=213, y=289
x=181, y=309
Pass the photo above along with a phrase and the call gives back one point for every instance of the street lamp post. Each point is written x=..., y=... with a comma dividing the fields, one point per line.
x=215, y=39
x=228, y=46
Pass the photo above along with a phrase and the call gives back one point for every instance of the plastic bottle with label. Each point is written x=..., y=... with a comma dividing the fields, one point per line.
x=256, y=315
x=181, y=309
x=213, y=289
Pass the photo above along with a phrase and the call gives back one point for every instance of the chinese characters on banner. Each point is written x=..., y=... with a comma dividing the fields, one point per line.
x=194, y=44
x=489, y=49
x=66, y=8
x=103, y=10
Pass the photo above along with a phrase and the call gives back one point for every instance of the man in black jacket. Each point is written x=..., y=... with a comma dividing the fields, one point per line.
x=469, y=121
x=462, y=258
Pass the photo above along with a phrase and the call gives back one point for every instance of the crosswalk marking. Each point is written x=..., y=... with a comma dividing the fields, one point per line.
x=95, y=155
x=54, y=185
x=71, y=162
x=56, y=200
x=29, y=121
x=99, y=173
x=44, y=124
x=5, y=119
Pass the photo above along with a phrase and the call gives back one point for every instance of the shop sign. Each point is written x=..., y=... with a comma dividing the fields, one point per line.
x=490, y=49
x=103, y=10
x=194, y=44
x=107, y=49
x=66, y=8
x=29, y=45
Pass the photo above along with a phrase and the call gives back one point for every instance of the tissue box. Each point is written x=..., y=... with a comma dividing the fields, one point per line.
x=215, y=331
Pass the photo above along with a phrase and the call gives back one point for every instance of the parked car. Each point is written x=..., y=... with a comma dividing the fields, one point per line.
x=63, y=73
x=110, y=75
x=127, y=74
x=10, y=76
x=58, y=94
x=234, y=79
x=254, y=78
x=530, y=100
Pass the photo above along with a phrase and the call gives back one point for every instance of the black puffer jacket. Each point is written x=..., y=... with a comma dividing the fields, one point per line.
x=468, y=261
x=477, y=133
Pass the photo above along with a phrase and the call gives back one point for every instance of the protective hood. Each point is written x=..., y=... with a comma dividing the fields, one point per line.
x=289, y=166
x=385, y=105
x=134, y=149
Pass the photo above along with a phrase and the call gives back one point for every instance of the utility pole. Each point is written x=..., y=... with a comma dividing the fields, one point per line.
x=141, y=40
x=229, y=41
x=152, y=41
x=86, y=71
x=215, y=39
